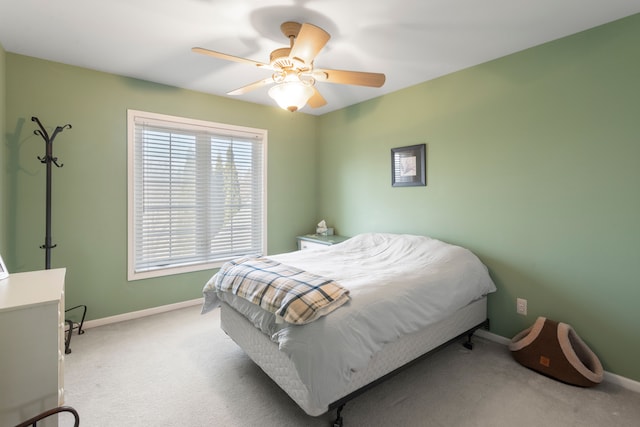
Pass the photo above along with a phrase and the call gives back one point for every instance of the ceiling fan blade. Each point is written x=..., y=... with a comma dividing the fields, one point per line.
x=316, y=99
x=228, y=57
x=358, y=78
x=250, y=87
x=309, y=43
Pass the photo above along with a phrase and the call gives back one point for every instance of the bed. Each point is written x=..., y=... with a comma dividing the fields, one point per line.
x=403, y=296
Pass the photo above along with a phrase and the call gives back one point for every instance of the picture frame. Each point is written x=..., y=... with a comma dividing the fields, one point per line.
x=3, y=269
x=408, y=166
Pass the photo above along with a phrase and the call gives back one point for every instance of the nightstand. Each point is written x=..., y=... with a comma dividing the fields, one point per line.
x=309, y=241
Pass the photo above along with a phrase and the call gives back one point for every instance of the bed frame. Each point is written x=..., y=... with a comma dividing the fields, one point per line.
x=389, y=360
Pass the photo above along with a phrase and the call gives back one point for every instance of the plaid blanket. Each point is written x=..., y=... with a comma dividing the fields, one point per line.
x=295, y=295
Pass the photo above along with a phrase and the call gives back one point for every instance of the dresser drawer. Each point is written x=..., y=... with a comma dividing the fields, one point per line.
x=306, y=244
x=312, y=241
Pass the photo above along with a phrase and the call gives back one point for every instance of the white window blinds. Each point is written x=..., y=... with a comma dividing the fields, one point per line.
x=196, y=194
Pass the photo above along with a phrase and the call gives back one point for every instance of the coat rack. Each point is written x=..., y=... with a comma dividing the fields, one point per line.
x=49, y=159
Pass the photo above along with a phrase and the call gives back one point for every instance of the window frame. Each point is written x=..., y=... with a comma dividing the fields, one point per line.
x=225, y=129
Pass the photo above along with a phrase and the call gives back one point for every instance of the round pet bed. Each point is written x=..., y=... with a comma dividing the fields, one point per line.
x=554, y=349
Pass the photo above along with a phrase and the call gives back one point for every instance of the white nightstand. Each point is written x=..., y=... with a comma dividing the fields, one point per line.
x=316, y=241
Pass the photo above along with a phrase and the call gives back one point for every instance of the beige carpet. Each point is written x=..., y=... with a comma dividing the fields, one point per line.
x=180, y=369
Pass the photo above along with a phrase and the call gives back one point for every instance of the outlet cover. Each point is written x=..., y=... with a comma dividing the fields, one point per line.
x=521, y=306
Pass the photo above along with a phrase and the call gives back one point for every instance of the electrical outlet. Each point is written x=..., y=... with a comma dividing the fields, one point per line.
x=521, y=306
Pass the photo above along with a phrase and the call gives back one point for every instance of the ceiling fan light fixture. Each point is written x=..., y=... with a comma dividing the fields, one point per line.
x=293, y=70
x=291, y=95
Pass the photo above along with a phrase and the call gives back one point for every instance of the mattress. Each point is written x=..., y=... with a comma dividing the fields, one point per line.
x=398, y=285
x=393, y=355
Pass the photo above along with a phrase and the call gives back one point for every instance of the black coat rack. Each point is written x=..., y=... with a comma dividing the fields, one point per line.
x=49, y=159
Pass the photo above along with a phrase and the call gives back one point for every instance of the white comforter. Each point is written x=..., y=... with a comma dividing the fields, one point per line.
x=398, y=284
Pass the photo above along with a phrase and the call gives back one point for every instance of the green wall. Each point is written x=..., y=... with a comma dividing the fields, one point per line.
x=3, y=150
x=533, y=163
x=89, y=207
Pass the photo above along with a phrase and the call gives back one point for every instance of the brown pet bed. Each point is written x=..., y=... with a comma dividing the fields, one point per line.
x=554, y=349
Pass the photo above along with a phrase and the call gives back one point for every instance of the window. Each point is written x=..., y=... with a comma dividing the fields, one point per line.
x=196, y=194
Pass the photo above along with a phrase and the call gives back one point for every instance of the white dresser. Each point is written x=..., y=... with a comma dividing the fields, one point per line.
x=31, y=345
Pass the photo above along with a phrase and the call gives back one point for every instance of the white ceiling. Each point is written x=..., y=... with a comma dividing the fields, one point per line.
x=411, y=41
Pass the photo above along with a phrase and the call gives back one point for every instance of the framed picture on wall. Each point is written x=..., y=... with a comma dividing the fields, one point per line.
x=3, y=269
x=408, y=166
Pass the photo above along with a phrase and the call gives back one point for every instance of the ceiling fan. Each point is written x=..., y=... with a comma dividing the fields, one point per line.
x=293, y=70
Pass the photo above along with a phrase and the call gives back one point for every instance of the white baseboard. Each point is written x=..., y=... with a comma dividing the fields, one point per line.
x=492, y=337
x=623, y=382
x=141, y=313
